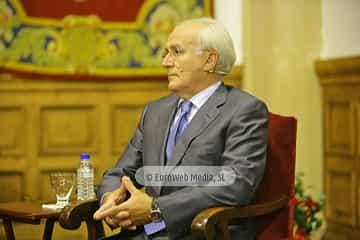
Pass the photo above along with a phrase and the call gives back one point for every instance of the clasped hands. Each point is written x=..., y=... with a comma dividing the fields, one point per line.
x=128, y=214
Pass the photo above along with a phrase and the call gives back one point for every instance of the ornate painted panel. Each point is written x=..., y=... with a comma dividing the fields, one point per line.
x=89, y=38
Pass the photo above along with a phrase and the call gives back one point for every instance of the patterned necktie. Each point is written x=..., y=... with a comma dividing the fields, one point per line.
x=178, y=127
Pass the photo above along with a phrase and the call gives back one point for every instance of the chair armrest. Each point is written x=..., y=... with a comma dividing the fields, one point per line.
x=209, y=222
x=78, y=211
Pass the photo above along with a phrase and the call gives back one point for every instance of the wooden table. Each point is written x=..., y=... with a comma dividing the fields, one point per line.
x=27, y=212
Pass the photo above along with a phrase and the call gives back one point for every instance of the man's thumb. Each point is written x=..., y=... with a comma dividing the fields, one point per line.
x=129, y=184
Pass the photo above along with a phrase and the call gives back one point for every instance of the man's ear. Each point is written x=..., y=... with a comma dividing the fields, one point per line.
x=211, y=61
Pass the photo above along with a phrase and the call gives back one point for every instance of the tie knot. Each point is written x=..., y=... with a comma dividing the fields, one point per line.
x=185, y=106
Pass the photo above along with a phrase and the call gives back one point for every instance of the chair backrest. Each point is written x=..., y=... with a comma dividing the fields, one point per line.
x=278, y=178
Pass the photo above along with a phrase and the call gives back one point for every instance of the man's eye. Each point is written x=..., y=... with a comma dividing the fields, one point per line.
x=178, y=51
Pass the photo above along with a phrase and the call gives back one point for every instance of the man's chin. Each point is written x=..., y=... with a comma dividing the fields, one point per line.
x=172, y=86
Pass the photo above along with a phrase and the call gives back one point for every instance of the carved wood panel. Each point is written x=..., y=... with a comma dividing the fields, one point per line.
x=11, y=186
x=341, y=199
x=68, y=129
x=340, y=125
x=340, y=79
x=12, y=129
x=44, y=128
x=124, y=122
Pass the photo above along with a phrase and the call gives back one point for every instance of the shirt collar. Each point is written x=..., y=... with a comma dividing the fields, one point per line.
x=201, y=97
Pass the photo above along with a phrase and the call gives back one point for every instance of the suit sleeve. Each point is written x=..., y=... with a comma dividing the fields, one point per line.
x=127, y=164
x=244, y=153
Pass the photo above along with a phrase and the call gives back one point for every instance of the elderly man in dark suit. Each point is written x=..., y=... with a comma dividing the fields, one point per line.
x=202, y=123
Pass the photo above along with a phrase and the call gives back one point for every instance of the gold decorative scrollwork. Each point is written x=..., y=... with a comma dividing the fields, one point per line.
x=86, y=45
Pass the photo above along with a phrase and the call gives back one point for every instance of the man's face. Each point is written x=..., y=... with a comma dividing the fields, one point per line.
x=184, y=61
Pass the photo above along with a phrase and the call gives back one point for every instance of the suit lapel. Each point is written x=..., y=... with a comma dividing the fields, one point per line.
x=164, y=124
x=162, y=129
x=206, y=114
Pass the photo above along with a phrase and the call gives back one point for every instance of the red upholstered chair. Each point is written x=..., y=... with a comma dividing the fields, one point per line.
x=273, y=206
x=274, y=203
x=279, y=178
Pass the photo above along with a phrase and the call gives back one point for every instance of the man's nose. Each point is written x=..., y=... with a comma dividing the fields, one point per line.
x=168, y=61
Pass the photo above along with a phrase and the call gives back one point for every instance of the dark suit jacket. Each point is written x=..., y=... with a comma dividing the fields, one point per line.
x=230, y=129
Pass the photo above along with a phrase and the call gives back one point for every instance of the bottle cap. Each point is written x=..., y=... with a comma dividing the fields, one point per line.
x=84, y=156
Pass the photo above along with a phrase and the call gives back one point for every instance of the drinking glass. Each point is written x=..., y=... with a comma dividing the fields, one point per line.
x=62, y=183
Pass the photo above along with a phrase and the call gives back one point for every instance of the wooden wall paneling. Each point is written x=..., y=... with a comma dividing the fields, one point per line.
x=12, y=150
x=32, y=171
x=12, y=129
x=358, y=199
x=126, y=108
x=341, y=194
x=66, y=129
x=11, y=185
x=102, y=160
x=124, y=122
x=340, y=124
x=340, y=80
x=357, y=119
x=126, y=114
x=357, y=128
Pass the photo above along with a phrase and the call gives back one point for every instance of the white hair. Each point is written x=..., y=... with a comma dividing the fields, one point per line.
x=215, y=36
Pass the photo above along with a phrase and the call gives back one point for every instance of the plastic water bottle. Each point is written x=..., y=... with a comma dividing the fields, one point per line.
x=85, y=178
